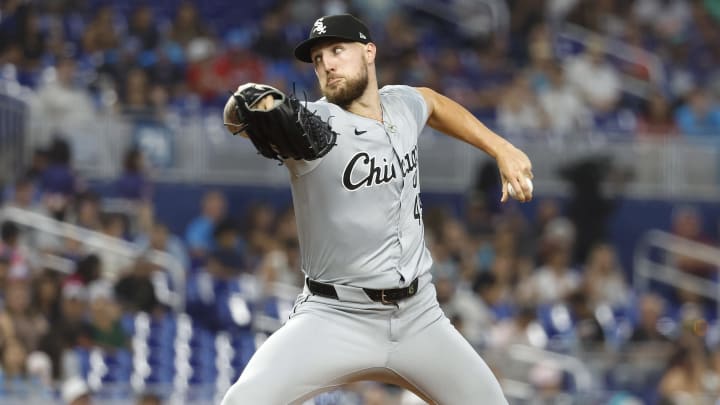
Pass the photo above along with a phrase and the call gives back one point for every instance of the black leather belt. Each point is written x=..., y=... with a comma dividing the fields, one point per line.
x=389, y=296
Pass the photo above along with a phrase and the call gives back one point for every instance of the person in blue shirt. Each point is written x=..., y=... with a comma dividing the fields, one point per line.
x=134, y=184
x=700, y=116
x=199, y=234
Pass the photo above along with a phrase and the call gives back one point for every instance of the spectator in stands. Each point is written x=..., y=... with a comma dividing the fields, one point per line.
x=37, y=165
x=13, y=248
x=160, y=108
x=31, y=37
x=459, y=251
x=688, y=379
x=13, y=369
x=87, y=270
x=699, y=116
x=602, y=92
x=540, y=50
x=271, y=41
x=19, y=320
x=101, y=34
x=546, y=212
x=519, y=111
x=446, y=289
x=282, y=264
x=506, y=274
x=228, y=246
x=687, y=223
x=546, y=378
x=603, y=278
x=523, y=329
x=504, y=243
x=564, y=107
x=61, y=101
x=588, y=330
x=651, y=307
x=134, y=183
x=478, y=218
x=238, y=64
x=105, y=327
x=135, y=291
x=24, y=196
x=135, y=97
x=71, y=330
x=160, y=238
x=143, y=28
x=443, y=264
x=58, y=182
x=199, y=233
x=201, y=76
x=260, y=220
x=114, y=225
x=168, y=71
x=226, y=238
x=187, y=25
x=88, y=212
x=656, y=118
x=667, y=18
x=454, y=78
x=286, y=228
x=46, y=295
x=555, y=280
x=497, y=73
x=213, y=294
x=491, y=305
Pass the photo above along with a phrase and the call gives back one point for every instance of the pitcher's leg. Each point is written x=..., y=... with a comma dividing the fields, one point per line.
x=441, y=363
x=309, y=353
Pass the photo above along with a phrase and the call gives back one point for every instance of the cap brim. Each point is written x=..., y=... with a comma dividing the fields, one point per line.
x=302, y=51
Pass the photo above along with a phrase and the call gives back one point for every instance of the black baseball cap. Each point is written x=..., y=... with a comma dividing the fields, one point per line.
x=340, y=26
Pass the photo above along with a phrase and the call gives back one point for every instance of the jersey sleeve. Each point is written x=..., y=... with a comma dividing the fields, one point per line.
x=414, y=101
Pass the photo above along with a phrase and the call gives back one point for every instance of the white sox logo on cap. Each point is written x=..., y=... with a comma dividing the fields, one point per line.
x=319, y=27
x=339, y=27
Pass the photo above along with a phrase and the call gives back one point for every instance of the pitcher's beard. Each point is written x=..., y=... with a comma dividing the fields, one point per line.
x=353, y=89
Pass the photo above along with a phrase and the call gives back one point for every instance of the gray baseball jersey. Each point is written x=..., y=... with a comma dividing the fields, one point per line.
x=358, y=209
x=360, y=225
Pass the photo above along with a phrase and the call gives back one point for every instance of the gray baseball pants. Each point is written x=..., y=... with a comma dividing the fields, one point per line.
x=327, y=343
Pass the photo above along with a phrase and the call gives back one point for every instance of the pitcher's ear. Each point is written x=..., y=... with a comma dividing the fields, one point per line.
x=370, y=52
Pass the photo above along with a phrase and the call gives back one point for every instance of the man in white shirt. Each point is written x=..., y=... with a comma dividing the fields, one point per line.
x=565, y=108
x=596, y=80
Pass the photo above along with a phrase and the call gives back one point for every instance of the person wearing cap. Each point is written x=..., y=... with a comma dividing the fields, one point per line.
x=369, y=310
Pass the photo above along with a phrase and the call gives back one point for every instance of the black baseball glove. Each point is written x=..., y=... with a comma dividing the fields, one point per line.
x=286, y=129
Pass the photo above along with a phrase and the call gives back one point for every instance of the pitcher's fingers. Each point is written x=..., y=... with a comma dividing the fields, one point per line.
x=517, y=186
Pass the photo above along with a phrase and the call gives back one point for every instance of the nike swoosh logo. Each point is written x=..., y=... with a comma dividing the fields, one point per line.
x=359, y=132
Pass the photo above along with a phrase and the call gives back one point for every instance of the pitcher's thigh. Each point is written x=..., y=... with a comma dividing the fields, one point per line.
x=304, y=356
x=443, y=365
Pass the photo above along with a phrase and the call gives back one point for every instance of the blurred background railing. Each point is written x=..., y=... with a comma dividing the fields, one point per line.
x=195, y=148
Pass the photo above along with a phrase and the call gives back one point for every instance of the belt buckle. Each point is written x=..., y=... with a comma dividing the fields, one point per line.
x=382, y=298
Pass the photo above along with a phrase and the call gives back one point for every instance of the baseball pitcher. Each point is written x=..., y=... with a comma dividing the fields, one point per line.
x=368, y=310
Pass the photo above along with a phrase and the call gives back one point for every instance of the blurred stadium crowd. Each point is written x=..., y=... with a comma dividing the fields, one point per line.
x=551, y=281
x=151, y=59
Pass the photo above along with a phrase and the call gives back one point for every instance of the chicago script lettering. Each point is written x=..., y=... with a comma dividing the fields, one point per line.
x=377, y=172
